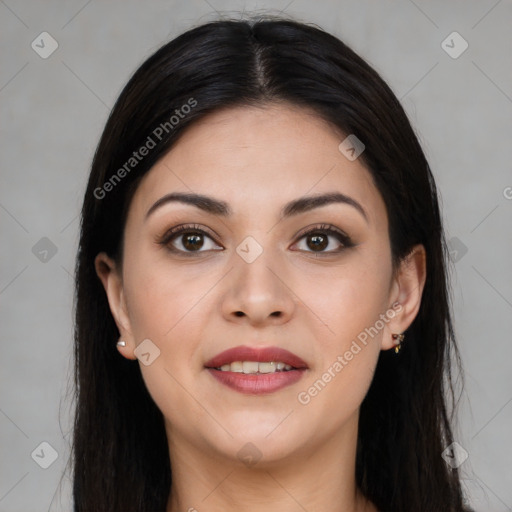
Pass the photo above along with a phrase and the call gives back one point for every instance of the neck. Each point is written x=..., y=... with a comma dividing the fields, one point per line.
x=320, y=477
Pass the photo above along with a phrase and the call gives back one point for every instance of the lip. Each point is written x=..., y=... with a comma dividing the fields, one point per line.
x=260, y=355
x=264, y=383
x=257, y=384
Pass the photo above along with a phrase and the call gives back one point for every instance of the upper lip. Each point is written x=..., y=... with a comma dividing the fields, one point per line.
x=260, y=354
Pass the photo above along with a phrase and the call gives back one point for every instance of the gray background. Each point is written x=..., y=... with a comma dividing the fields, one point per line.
x=53, y=111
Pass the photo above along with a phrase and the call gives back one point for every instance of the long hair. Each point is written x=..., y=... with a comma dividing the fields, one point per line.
x=120, y=453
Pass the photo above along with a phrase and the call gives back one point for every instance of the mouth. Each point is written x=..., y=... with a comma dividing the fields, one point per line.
x=255, y=367
x=256, y=370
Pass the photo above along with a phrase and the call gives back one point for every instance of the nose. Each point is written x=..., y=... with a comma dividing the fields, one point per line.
x=257, y=294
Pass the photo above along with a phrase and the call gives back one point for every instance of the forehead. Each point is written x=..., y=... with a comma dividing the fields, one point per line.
x=267, y=155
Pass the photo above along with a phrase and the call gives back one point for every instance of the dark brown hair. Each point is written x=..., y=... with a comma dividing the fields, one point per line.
x=120, y=452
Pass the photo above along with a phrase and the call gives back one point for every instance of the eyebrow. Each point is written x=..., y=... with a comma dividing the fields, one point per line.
x=307, y=203
x=295, y=207
x=205, y=203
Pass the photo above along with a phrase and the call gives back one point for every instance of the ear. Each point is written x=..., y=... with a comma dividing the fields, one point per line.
x=113, y=284
x=406, y=292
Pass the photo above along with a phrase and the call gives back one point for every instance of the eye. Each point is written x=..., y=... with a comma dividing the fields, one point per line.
x=323, y=239
x=189, y=239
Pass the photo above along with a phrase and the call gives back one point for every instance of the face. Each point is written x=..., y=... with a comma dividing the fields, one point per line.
x=268, y=239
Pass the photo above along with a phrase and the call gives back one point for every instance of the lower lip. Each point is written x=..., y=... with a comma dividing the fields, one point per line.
x=257, y=384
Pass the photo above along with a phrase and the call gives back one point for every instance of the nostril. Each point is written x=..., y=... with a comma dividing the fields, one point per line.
x=276, y=314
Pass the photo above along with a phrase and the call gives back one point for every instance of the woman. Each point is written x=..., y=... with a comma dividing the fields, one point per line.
x=262, y=317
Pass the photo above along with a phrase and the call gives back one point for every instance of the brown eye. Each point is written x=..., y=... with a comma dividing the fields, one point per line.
x=188, y=239
x=317, y=241
x=192, y=241
x=322, y=239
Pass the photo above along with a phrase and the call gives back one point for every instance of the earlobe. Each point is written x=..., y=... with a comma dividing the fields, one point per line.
x=407, y=291
x=108, y=273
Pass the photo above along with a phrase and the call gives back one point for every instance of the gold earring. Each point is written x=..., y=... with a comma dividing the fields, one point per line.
x=399, y=338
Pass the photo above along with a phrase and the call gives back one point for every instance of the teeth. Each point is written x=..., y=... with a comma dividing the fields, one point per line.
x=267, y=367
x=235, y=366
x=251, y=367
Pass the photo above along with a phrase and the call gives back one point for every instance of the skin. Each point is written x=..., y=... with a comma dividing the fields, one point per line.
x=257, y=159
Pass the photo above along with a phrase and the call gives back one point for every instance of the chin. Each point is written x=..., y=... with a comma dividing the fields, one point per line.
x=267, y=441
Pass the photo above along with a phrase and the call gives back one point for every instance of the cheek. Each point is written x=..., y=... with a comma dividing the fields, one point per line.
x=170, y=308
x=161, y=298
x=349, y=305
x=170, y=311
x=346, y=300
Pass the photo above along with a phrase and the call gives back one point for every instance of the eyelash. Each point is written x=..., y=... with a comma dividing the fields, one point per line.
x=180, y=230
x=324, y=229
x=329, y=230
